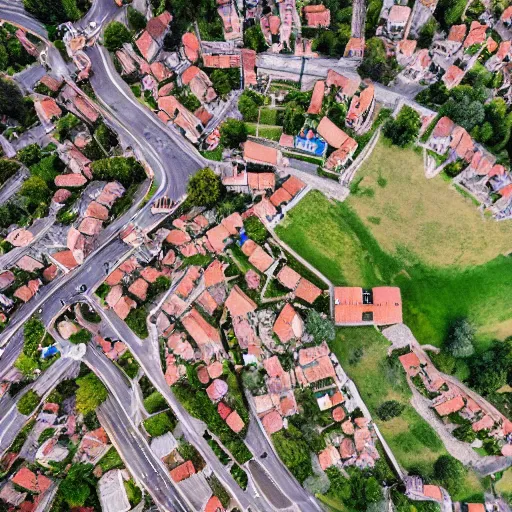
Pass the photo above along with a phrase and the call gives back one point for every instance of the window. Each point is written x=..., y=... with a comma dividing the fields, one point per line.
x=368, y=316
x=367, y=297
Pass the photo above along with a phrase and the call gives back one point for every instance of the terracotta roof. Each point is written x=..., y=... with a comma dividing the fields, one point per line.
x=476, y=34
x=157, y=26
x=191, y=45
x=238, y=303
x=476, y=507
x=222, y=61
x=341, y=156
x=411, y=363
x=90, y=226
x=65, y=258
x=261, y=181
x=203, y=115
x=233, y=223
x=234, y=422
x=317, y=16
x=139, y=288
x=486, y=423
x=70, y=180
x=453, y=76
x=288, y=277
x=50, y=108
x=249, y=63
x=50, y=273
x=97, y=211
x=307, y=291
x=113, y=296
x=214, y=505
x=215, y=369
x=348, y=428
x=123, y=307
x=491, y=45
x=223, y=410
x=444, y=127
x=347, y=448
x=354, y=46
x=360, y=104
x=349, y=307
x=293, y=185
x=433, y=491
x=30, y=481
x=280, y=196
x=178, y=237
x=216, y=390
x=86, y=109
x=214, y=274
x=217, y=237
x=462, y=143
x=507, y=14
x=506, y=191
x=260, y=153
x=150, y=274
x=328, y=457
x=348, y=86
x=321, y=369
x=453, y=405
x=147, y=46
x=407, y=47
x=199, y=329
x=288, y=325
x=457, y=33
x=311, y=354
x=260, y=259
x=317, y=97
x=399, y=14
x=183, y=471
x=189, y=74
x=286, y=140
x=114, y=277
x=160, y=72
x=504, y=49
x=61, y=196
x=272, y=422
x=50, y=82
x=333, y=135
x=29, y=264
x=338, y=414
x=6, y=279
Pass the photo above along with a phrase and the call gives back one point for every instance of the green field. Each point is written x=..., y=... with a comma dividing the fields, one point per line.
x=337, y=241
x=362, y=351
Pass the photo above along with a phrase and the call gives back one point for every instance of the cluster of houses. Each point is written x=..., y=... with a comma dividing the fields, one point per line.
x=487, y=181
x=448, y=398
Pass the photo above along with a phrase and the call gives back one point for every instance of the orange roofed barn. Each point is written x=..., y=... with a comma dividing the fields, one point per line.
x=379, y=306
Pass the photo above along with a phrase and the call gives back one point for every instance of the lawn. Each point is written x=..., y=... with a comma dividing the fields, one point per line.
x=363, y=354
x=264, y=131
x=269, y=116
x=504, y=485
x=346, y=249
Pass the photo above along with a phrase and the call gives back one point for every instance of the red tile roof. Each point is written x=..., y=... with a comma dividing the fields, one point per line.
x=453, y=405
x=234, y=422
x=65, y=258
x=407, y=47
x=216, y=390
x=457, y=33
x=199, y=329
x=259, y=153
x=214, y=274
x=476, y=34
x=272, y=422
x=317, y=97
x=191, y=44
x=139, y=288
x=214, y=505
x=317, y=16
x=333, y=135
x=70, y=180
x=233, y=223
x=288, y=277
x=486, y=423
x=30, y=481
x=444, y=127
x=222, y=61
x=411, y=363
x=223, y=410
x=261, y=181
x=147, y=46
x=123, y=307
x=157, y=26
x=338, y=414
x=249, y=63
x=453, y=76
x=238, y=303
x=260, y=259
x=399, y=14
x=348, y=86
x=293, y=185
x=114, y=277
x=288, y=324
x=217, y=237
x=183, y=471
x=189, y=74
x=433, y=491
x=280, y=196
x=307, y=291
x=178, y=237
x=360, y=104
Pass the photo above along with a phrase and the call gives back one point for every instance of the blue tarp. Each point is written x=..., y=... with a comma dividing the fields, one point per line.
x=49, y=351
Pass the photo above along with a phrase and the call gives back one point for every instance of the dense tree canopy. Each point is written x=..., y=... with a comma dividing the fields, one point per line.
x=136, y=19
x=248, y=104
x=90, y=393
x=54, y=12
x=7, y=169
x=253, y=39
x=125, y=170
x=225, y=80
x=376, y=64
x=116, y=34
x=390, y=409
x=11, y=100
x=450, y=472
x=233, y=132
x=405, y=128
x=204, y=188
x=320, y=327
x=460, y=338
x=294, y=117
x=28, y=402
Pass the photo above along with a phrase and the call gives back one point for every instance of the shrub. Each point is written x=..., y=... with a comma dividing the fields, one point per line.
x=30, y=154
x=33, y=334
x=255, y=229
x=390, y=409
x=91, y=393
x=294, y=452
x=136, y=19
x=450, y=472
x=320, y=327
x=136, y=321
x=204, y=188
x=76, y=487
x=82, y=336
x=155, y=402
x=28, y=402
x=233, y=133
x=125, y=170
x=405, y=128
x=116, y=34
x=46, y=434
x=159, y=424
x=111, y=460
x=460, y=338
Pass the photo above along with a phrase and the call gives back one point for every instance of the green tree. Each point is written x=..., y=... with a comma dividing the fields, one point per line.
x=28, y=402
x=125, y=170
x=116, y=34
x=225, y=80
x=294, y=117
x=159, y=424
x=405, y=128
x=254, y=39
x=91, y=393
x=390, y=409
x=36, y=191
x=460, y=338
x=49, y=11
x=136, y=19
x=4, y=58
x=427, y=34
x=320, y=327
x=255, y=229
x=376, y=64
x=136, y=321
x=8, y=168
x=337, y=113
x=30, y=154
x=11, y=100
x=76, y=487
x=465, y=107
x=33, y=334
x=26, y=365
x=204, y=188
x=233, y=133
x=248, y=104
x=450, y=472
x=294, y=452
x=82, y=336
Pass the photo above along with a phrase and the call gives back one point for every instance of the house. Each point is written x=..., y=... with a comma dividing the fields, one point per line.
x=151, y=40
x=450, y=406
x=354, y=48
x=476, y=35
x=239, y=304
x=147, y=46
x=47, y=110
x=204, y=334
x=341, y=157
x=397, y=21
x=199, y=84
x=420, y=66
x=188, y=123
x=441, y=136
x=379, y=306
x=405, y=50
x=506, y=17
x=288, y=325
x=317, y=16
x=361, y=108
x=262, y=155
x=453, y=77
x=190, y=46
x=222, y=61
x=231, y=21
x=347, y=87
x=183, y=471
x=248, y=67
x=288, y=191
x=317, y=98
x=462, y=144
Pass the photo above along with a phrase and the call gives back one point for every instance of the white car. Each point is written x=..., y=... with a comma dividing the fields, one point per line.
x=1, y=351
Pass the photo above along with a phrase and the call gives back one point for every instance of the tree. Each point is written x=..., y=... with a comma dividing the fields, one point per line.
x=136, y=321
x=427, y=33
x=30, y=154
x=460, y=338
x=50, y=12
x=11, y=100
x=4, y=58
x=390, y=409
x=116, y=34
x=8, y=168
x=91, y=393
x=248, y=104
x=254, y=39
x=450, y=472
x=320, y=327
x=28, y=402
x=405, y=128
x=76, y=487
x=125, y=170
x=233, y=133
x=376, y=64
x=26, y=365
x=294, y=452
x=204, y=188
x=337, y=113
x=255, y=229
x=294, y=117
x=317, y=484
x=33, y=334
x=82, y=336
x=36, y=191
x=465, y=107
x=136, y=19
x=159, y=424
x=225, y=80
x=105, y=137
